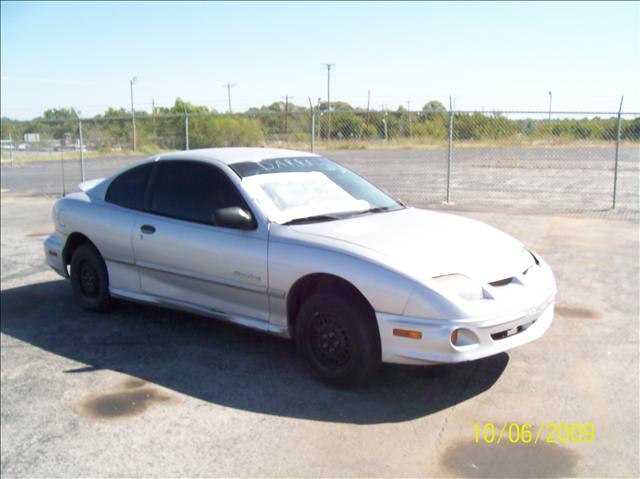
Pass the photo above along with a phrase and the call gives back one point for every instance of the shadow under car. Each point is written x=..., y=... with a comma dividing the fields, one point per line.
x=226, y=364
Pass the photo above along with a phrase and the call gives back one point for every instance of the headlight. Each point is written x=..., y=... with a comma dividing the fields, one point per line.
x=462, y=286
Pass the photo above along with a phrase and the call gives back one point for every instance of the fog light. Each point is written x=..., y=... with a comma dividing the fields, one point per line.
x=463, y=337
x=405, y=333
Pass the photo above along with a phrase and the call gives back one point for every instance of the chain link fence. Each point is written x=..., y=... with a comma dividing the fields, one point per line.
x=527, y=160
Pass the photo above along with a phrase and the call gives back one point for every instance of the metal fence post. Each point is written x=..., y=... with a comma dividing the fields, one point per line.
x=313, y=130
x=186, y=130
x=81, y=147
x=384, y=124
x=313, y=126
x=133, y=114
x=450, y=151
x=64, y=187
x=615, y=170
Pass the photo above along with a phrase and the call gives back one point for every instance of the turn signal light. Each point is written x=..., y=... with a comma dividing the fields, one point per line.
x=405, y=333
x=454, y=336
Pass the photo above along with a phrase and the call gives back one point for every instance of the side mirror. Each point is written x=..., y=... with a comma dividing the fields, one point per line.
x=233, y=217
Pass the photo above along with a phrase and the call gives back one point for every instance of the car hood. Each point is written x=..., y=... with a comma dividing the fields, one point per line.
x=425, y=244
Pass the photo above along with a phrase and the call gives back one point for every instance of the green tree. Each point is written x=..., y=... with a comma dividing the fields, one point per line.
x=433, y=107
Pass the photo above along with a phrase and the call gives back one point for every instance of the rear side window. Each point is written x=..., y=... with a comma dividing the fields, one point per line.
x=128, y=189
x=191, y=191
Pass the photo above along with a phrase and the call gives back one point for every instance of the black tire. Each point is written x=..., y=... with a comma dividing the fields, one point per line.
x=89, y=279
x=339, y=338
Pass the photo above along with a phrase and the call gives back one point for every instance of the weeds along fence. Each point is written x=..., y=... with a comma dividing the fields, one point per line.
x=524, y=159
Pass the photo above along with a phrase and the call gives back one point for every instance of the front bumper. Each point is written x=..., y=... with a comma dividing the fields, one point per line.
x=53, y=254
x=488, y=335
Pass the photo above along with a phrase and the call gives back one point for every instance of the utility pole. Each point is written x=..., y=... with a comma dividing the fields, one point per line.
x=328, y=67
x=228, y=86
x=286, y=117
x=133, y=113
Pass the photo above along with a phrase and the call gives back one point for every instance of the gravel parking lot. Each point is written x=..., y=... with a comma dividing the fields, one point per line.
x=143, y=392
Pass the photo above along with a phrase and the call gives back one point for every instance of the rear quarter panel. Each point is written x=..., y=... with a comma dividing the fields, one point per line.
x=108, y=227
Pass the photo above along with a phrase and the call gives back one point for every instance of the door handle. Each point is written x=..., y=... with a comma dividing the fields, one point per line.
x=148, y=229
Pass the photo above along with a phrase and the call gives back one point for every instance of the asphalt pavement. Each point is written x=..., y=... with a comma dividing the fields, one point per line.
x=144, y=392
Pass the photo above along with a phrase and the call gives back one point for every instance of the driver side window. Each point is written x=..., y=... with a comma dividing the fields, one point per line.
x=191, y=191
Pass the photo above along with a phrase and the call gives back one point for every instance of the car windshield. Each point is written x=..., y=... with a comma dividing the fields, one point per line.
x=310, y=189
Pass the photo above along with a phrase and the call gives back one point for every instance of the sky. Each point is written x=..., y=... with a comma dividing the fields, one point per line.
x=487, y=55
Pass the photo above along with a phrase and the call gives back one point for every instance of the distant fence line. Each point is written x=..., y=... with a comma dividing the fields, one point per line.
x=545, y=159
x=310, y=128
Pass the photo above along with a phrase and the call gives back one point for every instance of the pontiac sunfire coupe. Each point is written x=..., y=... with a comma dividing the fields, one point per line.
x=296, y=245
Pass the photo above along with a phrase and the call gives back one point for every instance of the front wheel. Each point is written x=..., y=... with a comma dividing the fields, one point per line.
x=89, y=279
x=339, y=339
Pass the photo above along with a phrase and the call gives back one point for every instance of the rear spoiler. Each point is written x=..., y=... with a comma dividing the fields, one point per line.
x=87, y=185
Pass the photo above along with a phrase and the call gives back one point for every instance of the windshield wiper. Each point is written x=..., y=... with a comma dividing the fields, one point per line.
x=311, y=219
x=380, y=209
x=377, y=209
x=341, y=215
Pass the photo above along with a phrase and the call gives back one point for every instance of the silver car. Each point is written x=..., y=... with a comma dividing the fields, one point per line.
x=296, y=245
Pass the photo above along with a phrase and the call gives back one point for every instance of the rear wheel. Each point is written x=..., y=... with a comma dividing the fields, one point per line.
x=339, y=338
x=89, y=279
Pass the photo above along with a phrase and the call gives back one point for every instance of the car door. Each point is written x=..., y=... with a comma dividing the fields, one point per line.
x=183, y=256
x=113, y=224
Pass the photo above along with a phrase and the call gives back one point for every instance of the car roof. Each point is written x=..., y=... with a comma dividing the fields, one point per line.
x=235, y=155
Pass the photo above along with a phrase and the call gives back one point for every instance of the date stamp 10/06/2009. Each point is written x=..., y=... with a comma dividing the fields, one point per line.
x=527, y=433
